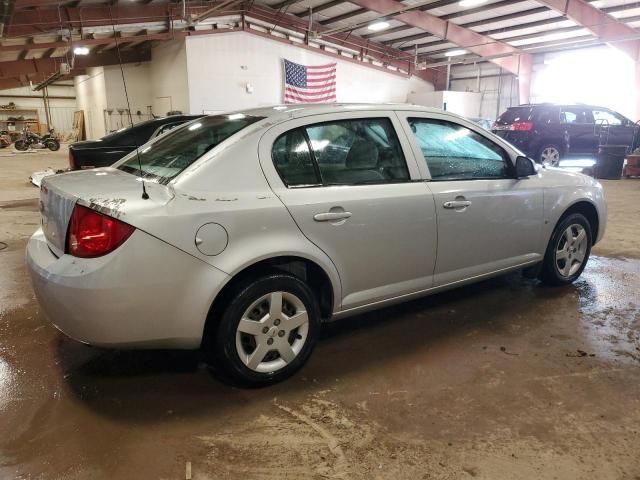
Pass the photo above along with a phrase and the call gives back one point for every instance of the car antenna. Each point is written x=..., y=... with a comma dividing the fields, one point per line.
x=145, y=195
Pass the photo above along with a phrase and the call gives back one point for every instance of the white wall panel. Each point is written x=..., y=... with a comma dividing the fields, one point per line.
x=220, y=67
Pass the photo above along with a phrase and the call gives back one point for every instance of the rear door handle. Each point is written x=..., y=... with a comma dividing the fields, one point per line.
x=457, y=204
x=331, y=216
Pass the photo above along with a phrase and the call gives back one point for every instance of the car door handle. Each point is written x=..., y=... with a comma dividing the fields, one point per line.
x=457, y=204
x=331, y=216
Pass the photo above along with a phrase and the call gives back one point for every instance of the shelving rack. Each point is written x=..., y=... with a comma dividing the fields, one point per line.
x=30, y=118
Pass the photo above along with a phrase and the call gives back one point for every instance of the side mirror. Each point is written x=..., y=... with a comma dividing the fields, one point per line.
x=524, y=167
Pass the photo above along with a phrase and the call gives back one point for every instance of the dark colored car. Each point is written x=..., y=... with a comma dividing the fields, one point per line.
x=114, y=146
x=549, y=132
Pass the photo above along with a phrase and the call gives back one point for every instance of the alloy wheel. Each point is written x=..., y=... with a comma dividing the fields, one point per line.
x=571, y=250
x=550, y=156
x=272, y=332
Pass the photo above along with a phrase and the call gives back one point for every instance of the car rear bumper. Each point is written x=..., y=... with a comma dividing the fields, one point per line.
x=145, y=294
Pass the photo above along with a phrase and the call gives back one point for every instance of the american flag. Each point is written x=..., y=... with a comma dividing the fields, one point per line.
x=309, y=84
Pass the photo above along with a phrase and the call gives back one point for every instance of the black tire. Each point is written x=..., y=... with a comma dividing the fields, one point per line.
x=550, y=273
x=220, y=341
x=21, y=145
x=541, y=154
x=53, y=145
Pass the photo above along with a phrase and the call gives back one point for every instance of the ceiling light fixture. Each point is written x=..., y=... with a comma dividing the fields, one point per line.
x=471, y=3
x=454, y=53
x=378, y=26
x=81, y=50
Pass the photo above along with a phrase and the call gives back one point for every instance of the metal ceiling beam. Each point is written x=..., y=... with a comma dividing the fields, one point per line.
x=502, y=18
x=421, y=7
x=320, y=8
x=468, y=39
x=44, y=67
x=424, y=8
x=599, y=23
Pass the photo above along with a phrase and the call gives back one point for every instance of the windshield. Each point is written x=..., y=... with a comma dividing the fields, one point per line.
x=165, y=158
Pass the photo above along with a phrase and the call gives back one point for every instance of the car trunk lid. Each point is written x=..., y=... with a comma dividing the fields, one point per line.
x=106, y=190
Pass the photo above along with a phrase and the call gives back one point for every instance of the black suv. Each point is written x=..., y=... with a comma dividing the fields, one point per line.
x=112, y=147
x=548, y=132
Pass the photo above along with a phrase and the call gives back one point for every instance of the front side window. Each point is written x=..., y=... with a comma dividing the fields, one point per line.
x=170, y=154
x=607, y=117
x=342, y=152
x=454, y=152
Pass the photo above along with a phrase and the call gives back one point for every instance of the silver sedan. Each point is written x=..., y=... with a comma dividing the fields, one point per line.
x=243, y=233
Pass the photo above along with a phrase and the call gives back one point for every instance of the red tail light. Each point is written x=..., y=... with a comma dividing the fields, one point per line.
x=92, y=234
x=522, y=126
x=72, y=163
x=494, y=125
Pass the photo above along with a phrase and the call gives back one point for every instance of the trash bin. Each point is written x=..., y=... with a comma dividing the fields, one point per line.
x=610, y=161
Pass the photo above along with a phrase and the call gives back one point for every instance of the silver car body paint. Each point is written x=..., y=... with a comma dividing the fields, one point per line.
x=157, y=288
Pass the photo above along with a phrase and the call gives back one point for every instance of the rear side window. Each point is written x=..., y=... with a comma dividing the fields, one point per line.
x=454, y=152
x=344, y=152
x=547, y=115
x=576, y=115
x=292, y=158
x=166, y=157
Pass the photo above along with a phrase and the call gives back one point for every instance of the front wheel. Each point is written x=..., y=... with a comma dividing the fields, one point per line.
x=568, y=250
x=550, y=155
x=21, y=145
x=53, y=145
x=267, y=331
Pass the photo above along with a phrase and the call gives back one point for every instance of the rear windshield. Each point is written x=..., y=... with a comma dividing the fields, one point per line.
x=545, y=114
x=515, y=114
x=172, y=153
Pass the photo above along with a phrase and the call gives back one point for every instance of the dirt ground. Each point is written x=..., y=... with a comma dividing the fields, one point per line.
x=505, y=379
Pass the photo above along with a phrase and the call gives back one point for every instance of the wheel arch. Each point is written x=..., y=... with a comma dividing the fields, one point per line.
x=589, y=210
x=308, y=270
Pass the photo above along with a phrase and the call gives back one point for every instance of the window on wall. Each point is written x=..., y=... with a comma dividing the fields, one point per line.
x=454, y=152
x=343, y=152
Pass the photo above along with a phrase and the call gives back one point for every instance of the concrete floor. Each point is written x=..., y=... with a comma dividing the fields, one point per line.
x=487, y=382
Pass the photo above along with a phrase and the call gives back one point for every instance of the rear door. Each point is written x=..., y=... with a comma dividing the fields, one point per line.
x=578, y=123
x=487, y=220
x=353, y=187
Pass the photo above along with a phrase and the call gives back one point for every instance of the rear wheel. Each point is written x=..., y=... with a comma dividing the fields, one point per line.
x=568, y=250
x=21, y=145
x=53, y=145
x=267, y=331
x=550, y=155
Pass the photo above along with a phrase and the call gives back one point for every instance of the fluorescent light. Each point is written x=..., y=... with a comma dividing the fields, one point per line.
x=81, y=50
x=471, y=3
x=454, y=53
x=195, y=126
x=235, y=116
x=377, y=26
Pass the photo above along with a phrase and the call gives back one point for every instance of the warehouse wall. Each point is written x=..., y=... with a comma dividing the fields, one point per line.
x=137, y=76
x=221, y=66
x=168, y=70
x=91, y=97
x=498, y=89
x=61, y=108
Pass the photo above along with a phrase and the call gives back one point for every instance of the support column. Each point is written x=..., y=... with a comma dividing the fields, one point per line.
x=636, y=92
x=525, y=66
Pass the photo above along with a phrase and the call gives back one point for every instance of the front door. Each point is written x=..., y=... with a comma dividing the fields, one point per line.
x=352, y=186
x=616, y=130
x=487, y=220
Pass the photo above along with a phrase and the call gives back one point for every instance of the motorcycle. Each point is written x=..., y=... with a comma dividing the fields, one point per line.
x=30, y=139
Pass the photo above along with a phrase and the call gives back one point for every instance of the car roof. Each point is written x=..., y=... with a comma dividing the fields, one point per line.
x=280, y=113
x=570, y=105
